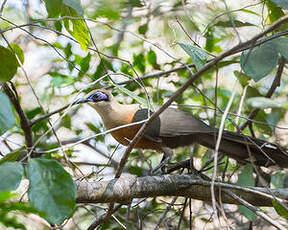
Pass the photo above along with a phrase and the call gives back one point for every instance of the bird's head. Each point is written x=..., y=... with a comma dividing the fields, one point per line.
x=99, y=99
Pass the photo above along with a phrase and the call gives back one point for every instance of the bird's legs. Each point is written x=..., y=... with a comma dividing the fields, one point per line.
x=167, y=155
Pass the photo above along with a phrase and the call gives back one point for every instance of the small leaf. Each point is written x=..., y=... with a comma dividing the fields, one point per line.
x=7, y=119
x=281, y=3
x=250, y=215
x=53, y=7
x=139, y=62
x=131, y=94
x=197, y=55
x=263, y=103
x=13, y=156
x=260, y=61
x=17, y=49
x=152, y=58
x=9, y=64
x=243, y=79
x=237, y=23
x=84, y=64
x=51, y=189
x=10, y=175
x=143, y=29
x=282, y=211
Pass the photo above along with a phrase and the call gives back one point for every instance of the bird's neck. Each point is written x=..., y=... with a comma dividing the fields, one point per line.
x=116, y=114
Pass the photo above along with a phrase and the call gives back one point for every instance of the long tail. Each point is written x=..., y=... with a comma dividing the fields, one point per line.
x=246, y=149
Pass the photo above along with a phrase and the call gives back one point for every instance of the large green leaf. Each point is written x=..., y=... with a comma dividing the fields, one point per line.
x=7, y=119
x=281, y=3
x=198, y=56
x=51, y=189
x=10, y=175
x=281, y=45
x=259, y=61
x=9, y=64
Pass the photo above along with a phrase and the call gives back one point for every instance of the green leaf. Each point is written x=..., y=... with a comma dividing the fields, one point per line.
x=134, y=3
x=143, y=29
x=259, y=61
x=6, y=195
x=9, y=64
x=134, y=96
x=84, y=64
x=53, y=7
x=250, y=215
x=51, y=189
x=281, y=3
x=243, y=79
x=152, y=58
x=281, y=46
x=7, y=119
x=80, y=31
x=17, y=49
x=245, y=178
x=282, y=211
x=197, y=55
x=13, y=156
x=139, y=62
x=237, y=23
x=264, y=103
x=274, y=12
x=10, y=175
x=75, y=5
x=107, y=9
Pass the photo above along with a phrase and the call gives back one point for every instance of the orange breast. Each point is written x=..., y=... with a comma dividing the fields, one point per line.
x=125, y=135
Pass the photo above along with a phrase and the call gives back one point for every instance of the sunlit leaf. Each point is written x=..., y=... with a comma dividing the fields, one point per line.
x=17, y=49
x=198, y=56
x=10, y=175
x=51, y=189
x=7, y=119
x=282, y=211
x=9, y=64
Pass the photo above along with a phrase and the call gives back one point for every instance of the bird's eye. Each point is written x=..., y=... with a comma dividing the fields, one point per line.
x=95, y=97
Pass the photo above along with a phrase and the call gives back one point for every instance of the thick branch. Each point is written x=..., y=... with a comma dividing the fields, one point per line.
x=124, y=189
x=24, y=122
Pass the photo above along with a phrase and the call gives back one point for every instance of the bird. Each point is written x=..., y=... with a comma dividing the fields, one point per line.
x=175, y=128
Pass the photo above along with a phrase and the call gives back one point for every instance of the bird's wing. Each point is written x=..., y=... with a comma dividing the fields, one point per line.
x=174, y=122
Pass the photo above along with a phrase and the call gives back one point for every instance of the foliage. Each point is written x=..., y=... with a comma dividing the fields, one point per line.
x=55, y=49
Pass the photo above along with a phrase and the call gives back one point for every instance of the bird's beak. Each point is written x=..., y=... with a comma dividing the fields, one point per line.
x=81, y=100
